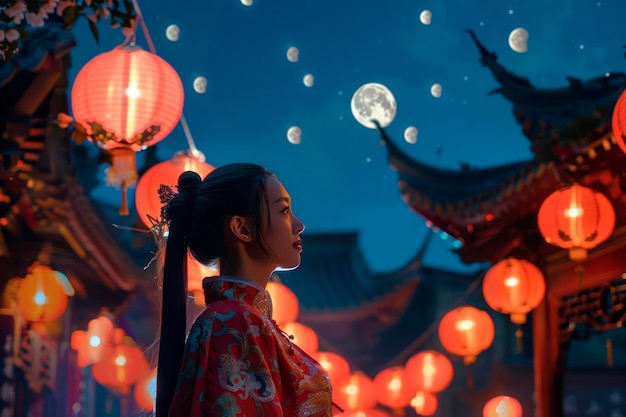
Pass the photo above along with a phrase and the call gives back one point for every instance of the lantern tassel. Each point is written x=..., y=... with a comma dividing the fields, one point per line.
x=519, y=339
x=609, y=351
x=124, y=203
x=468, y=361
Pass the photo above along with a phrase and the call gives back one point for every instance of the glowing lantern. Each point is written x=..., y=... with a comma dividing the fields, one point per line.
x=502, y=406
x=336, y=366
x=576, y=218
x=303, y=336
x=145, y=391
x=392, y=389
x=619, y=121
x=466, y=331
x=356, y=393
x=196, y=272
x=95, y=343
x=42, y=296
x=147, y=201
x=126, y=100
x=429, y=371
x=424, y=403
x=123, y=367
x=285, y=305
x=515, y=287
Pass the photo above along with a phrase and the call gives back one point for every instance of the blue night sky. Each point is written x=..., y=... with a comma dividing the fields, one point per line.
x=338, y=175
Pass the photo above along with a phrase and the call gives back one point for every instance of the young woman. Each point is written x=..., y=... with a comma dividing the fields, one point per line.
x=236, y=361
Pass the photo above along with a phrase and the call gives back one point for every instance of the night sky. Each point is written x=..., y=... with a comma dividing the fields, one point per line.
x=338, y=175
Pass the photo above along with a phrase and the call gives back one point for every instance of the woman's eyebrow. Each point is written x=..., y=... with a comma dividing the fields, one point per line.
x=279, y=199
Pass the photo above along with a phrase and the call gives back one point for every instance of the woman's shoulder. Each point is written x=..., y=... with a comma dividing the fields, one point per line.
x=230, y=310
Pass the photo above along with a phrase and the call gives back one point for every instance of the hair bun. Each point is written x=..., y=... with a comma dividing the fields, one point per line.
x=188, y=182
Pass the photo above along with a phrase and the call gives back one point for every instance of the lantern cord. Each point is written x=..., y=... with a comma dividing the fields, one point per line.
x=183, y=120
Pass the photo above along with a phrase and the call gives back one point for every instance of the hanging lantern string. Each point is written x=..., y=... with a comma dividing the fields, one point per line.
x=183, y=120
x=410, y=349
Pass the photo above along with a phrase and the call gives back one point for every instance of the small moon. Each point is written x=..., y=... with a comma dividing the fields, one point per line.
x=426, y=17
x=172, y=32
x=308, y=80
x=294, y=135
x=410, y=134
x=373, y=101
x=293, y=54
x=435, y=90
x=518, y=40
x=247, y=2
x=199, y=85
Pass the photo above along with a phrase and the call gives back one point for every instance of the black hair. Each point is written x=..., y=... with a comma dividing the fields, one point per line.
x=197, y=216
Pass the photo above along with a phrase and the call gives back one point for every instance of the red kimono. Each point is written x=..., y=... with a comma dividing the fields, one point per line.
x=238, y=363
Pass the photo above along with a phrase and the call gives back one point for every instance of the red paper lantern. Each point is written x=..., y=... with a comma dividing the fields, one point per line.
x=370, y=412
x=424, y=403
x=285, y=305
x=126, y=99
x=95, y=343
x=576, y=218
x=336, y=365
x=145, y=391
x=147, y=200
x=356, y=393
x=515, y=287
x=619, y=121
x=502, y=406
x=303, y=336
x=41, y=296
x=466, y=331
x=429, y=371
x=392, y=388
x=123, y=367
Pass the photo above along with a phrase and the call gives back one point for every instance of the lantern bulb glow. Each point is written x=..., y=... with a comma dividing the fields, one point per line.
x=94, y=341
x=574, y=212
x=120, y=360
x=395, y=384
x=352, y=389
x=40, y=298
x=464, y=325
x=152, y=388
x=511, y=282
x=133, y=92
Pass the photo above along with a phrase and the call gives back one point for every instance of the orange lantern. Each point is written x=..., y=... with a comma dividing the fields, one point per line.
x=424, y=403
x=147, y=200
x=42, y=296
x=429, y=371
x=196, y=272
x=336, y=366
x=145, y=391
x=392, y=388
x=515, y=287
x=466, y=331
x=619, y=121
x=126, y=99
x=502, y=406
x=95, y=343
x=356, y=393
x=285, y=305
x=303, y=336
x=123, y=367
x=576, y=218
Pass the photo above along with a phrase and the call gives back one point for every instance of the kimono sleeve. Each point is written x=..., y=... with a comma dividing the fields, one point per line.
x=229, y=368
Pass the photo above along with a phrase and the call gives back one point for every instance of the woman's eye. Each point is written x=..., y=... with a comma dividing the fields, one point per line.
x=285, y=210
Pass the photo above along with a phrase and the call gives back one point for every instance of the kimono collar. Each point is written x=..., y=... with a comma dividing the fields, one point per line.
x=237, y=289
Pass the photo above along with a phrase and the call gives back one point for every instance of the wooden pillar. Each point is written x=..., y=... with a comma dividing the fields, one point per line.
x=548, y=359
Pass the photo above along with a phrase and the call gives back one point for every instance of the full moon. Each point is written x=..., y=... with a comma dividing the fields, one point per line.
x=172, y=32
x=294, y=135
x=308, y=80
x=410, y=134
x=293, y=54
x=246, y=2
x=199, y=85
x=435, y=90
x=518, y=40
x=373, y=101
x=426, y=17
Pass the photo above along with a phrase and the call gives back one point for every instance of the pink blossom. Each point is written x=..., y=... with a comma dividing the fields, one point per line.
x=16, y=11
x=63, y=4
x=49, y=6
x=12, y=35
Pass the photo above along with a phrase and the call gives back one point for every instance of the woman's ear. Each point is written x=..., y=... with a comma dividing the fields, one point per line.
x=239, y=228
